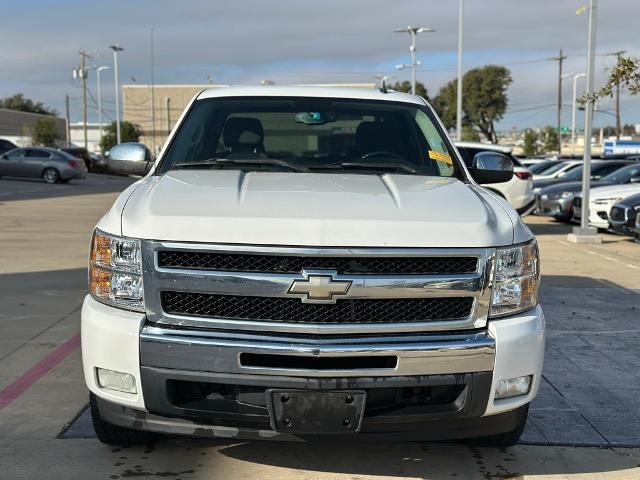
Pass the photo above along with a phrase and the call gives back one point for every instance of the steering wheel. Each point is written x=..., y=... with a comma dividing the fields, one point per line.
x=381, y=153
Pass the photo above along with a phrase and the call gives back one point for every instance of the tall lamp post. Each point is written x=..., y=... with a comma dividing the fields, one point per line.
x=584, y=233
x=573, y=111
x=459, y=90
x=413, y=31
x=116, y=49
x=98, y=70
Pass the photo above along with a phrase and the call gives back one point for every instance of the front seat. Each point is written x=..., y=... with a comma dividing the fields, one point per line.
x=243, y=137
x=373, y=137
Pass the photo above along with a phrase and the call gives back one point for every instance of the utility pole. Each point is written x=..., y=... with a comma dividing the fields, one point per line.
x=560, y=59
x=83, y=79
x=618, y=56
x=153, y=103
x=68, y=125
x=167, y=106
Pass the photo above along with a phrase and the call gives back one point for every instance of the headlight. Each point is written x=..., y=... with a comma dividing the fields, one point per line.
x=115, y=271
x=560, y=195
x=606, y=201
x=516, y=280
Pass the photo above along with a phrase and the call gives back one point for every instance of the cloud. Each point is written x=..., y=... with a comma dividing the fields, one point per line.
x=245, y=41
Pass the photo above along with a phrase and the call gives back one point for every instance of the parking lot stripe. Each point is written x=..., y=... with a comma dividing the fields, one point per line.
x=23, y=382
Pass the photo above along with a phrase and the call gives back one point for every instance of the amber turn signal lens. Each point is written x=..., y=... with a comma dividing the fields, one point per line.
x=101, y=249
x=99, y=282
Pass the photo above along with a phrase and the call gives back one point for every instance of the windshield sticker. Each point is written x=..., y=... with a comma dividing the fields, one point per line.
x=441, y=157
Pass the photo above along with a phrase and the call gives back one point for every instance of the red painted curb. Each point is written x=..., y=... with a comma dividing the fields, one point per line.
x=24, y=381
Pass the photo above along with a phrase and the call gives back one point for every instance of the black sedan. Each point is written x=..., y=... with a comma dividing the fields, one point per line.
x=557, y=200
x=625, y=216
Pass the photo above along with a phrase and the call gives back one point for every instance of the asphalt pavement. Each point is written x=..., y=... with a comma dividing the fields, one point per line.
x=584, y=424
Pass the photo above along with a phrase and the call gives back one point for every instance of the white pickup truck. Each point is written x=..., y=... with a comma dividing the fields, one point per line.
x=306, y=262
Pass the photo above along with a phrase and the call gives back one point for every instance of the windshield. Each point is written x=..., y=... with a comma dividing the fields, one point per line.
x=539, y=167
x=554, y=168
x=623, y=175
x=310, y=134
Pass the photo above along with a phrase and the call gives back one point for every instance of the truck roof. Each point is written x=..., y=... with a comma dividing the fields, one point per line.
x=310, y=91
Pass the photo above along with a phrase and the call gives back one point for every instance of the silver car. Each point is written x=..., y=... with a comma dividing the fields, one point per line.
x=51, y=165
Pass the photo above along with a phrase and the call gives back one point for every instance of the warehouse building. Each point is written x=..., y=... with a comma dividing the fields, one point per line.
x=16, y=126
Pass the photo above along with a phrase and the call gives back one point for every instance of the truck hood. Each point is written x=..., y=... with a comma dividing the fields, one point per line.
x=316, y=209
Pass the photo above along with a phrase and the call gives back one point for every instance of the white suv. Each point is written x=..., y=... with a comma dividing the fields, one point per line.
x=519, y=190
x=311, y=261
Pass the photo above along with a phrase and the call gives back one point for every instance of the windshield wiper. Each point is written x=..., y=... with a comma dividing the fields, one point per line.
x=241, y=161
x=369, y=166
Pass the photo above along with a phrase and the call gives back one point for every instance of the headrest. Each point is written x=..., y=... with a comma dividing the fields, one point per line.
x=373, y=136
x=242, y=131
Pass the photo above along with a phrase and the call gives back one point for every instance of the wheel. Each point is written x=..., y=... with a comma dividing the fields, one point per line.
x=506, y=439
x=51, y=175
x=114, y=434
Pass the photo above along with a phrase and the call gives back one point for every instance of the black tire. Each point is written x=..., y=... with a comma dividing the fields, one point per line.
x=506, y=439
x=114, y=434
x=51, y=175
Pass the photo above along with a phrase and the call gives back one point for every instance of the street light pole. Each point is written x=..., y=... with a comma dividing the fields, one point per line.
x=116, y=49
x=459, y=90
x=573, y=111
x=585, y=233
x=98, y=70
x=413, y=31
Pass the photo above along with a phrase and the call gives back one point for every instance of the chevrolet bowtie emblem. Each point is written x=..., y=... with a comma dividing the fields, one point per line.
x=319, y=287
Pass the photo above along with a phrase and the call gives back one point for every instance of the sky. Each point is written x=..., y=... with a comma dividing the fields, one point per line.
x=328, y=41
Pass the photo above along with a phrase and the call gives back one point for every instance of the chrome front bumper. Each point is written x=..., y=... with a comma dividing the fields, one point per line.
x=222, y=352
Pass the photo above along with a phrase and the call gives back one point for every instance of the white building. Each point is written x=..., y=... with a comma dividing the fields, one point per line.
x=93, y=135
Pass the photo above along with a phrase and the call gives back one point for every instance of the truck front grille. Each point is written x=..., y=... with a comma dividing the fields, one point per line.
x=292, y=310
x=226, y=262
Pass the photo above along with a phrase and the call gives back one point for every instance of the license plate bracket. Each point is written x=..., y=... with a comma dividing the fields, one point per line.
x=316, y=411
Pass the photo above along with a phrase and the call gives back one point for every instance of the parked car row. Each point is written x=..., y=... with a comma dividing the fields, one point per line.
x=614, y=199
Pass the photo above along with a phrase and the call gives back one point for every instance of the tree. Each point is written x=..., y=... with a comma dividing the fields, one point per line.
x=530, y=142
x=484, y=101
x=23, y=104
x=626, y=74
x=550, y=139
x=44, y=133
x=469, y=134
x=405, y=86
x=128, y=133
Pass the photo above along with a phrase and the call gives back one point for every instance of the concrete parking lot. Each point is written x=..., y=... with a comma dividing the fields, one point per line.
x=584, y=424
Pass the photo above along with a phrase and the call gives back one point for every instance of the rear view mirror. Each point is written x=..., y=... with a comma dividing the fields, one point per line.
x=491, y=167
x=130, y=159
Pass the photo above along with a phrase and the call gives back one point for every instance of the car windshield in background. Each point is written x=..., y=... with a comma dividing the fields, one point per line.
x=554, y=168
x=539, y=167
x=622, y=175
x=310, y=135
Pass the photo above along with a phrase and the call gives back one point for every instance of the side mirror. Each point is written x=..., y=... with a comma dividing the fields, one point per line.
x=130, y=159
x=491, y=167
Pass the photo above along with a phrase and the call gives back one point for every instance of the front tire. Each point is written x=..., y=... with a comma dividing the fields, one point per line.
x=114, y=434
x=506, y=439
x=51, y=175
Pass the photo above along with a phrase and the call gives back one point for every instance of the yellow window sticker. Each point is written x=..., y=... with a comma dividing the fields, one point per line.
x=441, y=157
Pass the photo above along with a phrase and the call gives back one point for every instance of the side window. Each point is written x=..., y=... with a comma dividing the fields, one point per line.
x=438, y=151
x=31, y=153
x=15, y=154
x=464, y=152
x=606, y=171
